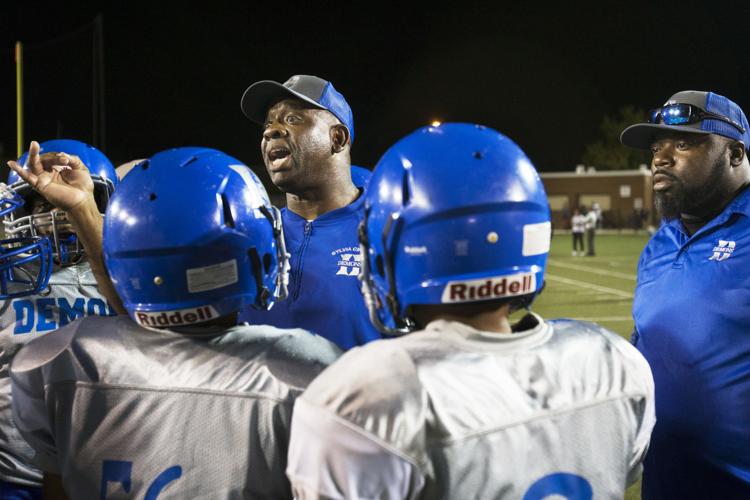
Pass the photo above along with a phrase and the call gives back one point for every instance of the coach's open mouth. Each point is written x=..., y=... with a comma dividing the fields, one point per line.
x=278, y=156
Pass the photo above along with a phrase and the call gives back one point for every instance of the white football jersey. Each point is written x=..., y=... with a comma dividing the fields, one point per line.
x=121, y=411
x=561, y=408
x=72, y=294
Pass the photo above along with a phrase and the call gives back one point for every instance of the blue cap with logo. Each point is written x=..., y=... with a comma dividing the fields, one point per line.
x=260, y=96
x=694, y=112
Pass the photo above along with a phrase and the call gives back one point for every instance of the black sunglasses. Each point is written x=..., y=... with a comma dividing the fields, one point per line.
x=681, y=114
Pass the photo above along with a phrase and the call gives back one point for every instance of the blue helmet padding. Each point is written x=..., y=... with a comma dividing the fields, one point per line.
x=180, y=212
x=448, y=204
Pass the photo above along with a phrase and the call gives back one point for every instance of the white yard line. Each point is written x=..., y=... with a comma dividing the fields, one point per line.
x=584, y=284
x=602, y=272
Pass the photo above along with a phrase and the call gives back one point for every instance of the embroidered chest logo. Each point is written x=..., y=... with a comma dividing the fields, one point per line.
x=349, y=261
x=723, y=250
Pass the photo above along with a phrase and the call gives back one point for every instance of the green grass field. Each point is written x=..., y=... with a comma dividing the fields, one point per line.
x=598, y=289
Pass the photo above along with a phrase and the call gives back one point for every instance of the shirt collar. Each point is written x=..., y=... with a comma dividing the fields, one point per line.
x=739, y=205
x=333, y=215
x=537, y=331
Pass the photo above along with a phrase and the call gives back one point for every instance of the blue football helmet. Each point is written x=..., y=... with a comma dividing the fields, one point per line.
x=360, y=176
x=189, y=236
x=453, y=214
x=37, y=235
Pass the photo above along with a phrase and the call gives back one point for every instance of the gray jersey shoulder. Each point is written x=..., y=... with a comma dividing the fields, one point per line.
x=105, y=391
x=402, y=368
x=470, y=409
x=71, y=293
x=116, y=351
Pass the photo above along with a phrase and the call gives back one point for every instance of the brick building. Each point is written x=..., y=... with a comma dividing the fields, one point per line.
x=625, y=196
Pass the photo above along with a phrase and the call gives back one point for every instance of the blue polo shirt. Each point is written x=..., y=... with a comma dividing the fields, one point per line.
x=324, y=295
x=692, y=318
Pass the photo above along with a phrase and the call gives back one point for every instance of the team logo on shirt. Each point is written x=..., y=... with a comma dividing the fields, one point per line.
x=723, y=250
x=489, y=288
x=349, y=261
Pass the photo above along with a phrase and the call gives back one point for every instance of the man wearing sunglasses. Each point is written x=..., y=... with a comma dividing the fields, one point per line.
x=692, y=300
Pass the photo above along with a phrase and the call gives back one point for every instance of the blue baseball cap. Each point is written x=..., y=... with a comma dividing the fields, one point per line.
x=728, y=119
x=260, y=96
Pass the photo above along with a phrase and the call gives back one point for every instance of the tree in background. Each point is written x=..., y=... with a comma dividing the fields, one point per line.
x=607, y=153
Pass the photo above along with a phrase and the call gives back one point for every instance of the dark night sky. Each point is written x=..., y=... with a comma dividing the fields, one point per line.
x=543, y=76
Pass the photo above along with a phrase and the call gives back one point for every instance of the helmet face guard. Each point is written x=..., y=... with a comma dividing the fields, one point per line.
x=54, y=224
x=382, y=303
x=10, y=200
x=25, y=262
x=283, y=257
x=35, y=242
x=25, y=266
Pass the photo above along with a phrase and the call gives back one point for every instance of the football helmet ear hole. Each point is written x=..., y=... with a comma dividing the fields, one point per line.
x=267, y=262
x=405, y=192
x=255, y=266
x=152, y=196
x=227, y=212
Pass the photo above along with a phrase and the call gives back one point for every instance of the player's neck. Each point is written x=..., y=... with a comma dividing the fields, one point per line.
x=485, y=323
x=488, y=320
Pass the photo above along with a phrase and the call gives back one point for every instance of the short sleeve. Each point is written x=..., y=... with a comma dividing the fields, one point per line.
x=329, y=459
x=32, y=417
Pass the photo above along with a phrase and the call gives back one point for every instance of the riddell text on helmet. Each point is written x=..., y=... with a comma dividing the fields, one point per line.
x=179, y=317
x=489, y=288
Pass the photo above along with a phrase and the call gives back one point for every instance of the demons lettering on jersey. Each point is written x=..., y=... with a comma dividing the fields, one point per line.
x=489, y=288
x=47, y=314
x=181, y=317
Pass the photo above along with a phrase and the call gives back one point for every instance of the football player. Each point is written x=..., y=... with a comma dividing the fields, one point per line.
x=45, y=282
x=174, y=399
x=466, y=404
